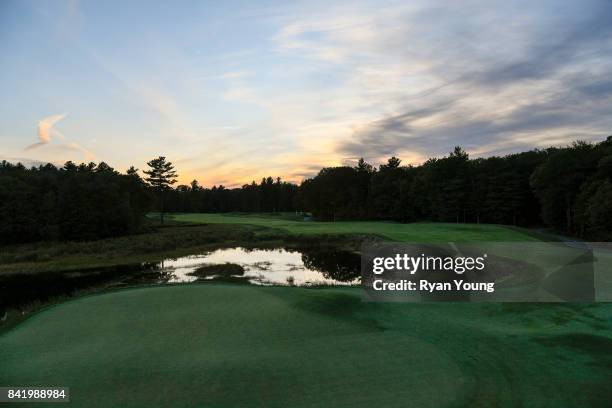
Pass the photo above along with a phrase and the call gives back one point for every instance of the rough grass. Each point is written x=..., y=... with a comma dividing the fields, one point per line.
x=213, y=345
x=192, y=233
x=415, y=232
x=152, y=246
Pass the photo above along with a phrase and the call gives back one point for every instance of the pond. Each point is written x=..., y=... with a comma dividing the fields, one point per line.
x=280, y=266
x=277, y=266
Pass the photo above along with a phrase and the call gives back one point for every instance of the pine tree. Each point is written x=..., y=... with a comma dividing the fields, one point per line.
x=161, y=176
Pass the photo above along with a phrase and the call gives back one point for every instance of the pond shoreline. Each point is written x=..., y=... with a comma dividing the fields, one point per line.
x=107, y=258
x=156, y=245
x=26, y=288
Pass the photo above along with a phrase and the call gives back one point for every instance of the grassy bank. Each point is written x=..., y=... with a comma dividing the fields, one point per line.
x=415, y=232
x=153, y=246
x=192, y=233
x=236, y=346
x=49, y=272
x=35, y=275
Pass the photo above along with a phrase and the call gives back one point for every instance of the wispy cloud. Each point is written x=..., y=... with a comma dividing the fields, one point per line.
x=45, y=127
x=46, y=132
x=418, y=79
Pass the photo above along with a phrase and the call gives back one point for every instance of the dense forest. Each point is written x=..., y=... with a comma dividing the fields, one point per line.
x=76, y=202
x=449, y=189
x=568, y=189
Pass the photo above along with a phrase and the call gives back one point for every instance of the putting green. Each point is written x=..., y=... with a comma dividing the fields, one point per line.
x=210, y=345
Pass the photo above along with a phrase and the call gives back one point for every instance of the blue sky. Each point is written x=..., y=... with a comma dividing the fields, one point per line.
x=234, y=91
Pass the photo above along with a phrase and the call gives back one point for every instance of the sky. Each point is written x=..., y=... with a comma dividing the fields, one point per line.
x=233, y=91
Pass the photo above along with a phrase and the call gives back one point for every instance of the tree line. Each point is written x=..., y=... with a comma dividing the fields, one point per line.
x=568, y=189
x=449, y=189
x=74, y=202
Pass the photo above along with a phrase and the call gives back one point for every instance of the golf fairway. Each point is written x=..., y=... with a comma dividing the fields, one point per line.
x=215, y=345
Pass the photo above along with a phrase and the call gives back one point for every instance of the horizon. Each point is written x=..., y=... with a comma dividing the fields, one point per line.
x=236, y=92
x=376, y=166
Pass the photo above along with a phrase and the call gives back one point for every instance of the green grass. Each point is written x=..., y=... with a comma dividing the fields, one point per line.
x=220, y=345
x=211, y=345
x=152, y=246
x=415, y=232
x=192, y=233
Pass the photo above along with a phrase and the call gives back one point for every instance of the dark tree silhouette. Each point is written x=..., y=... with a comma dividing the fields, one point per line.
x=568, y=189
x=76, y=202
x=161, y=176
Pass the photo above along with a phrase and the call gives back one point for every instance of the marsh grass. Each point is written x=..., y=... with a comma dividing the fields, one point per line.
x=153, y=246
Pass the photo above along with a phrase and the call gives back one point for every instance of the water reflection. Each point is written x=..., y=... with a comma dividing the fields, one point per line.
x=300, y=267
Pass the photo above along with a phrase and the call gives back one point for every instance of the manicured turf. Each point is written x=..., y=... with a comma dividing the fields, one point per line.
x=213, y=345
x=415, y=232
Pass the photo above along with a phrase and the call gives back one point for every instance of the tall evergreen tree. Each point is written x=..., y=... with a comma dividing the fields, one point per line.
x=160, y=176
